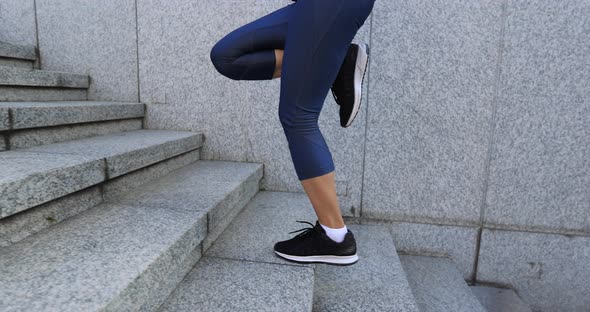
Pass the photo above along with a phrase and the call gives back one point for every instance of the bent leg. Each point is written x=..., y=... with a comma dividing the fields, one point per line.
x=248, y=52
x=318, y=36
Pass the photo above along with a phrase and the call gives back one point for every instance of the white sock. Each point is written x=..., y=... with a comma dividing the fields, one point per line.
x=336, y=235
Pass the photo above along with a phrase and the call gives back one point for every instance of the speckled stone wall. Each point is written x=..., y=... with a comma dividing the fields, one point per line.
x=17, y=22
x=97, y=38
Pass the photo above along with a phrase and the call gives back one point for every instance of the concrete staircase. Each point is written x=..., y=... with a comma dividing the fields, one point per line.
x=99, y=214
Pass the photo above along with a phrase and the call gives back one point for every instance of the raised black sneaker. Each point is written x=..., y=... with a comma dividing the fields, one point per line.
x=314, y=245
x=347, y=87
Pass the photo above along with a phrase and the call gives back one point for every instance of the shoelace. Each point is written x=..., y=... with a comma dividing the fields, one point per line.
x=305, y=230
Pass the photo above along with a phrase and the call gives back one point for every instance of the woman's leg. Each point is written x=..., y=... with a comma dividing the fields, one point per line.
x=318, y=36
x=250, y=51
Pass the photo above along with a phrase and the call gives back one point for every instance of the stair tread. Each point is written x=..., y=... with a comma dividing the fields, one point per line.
x=59, y=166
x=93, y=260
x=14, y=76
x=23, y=52
x=273, y=215
x=241, y=258
x=499, y=300
x=29, y=178
x=438, y=285
x=117, y=148
x=227, y=285
x=43, y=114
x=377, y=282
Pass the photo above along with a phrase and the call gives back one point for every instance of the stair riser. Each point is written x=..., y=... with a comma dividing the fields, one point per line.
x=24, y=94
x=47, y=114
x=21, y=52
x=24, y=224
x=29, y=222
x=40, y=136
x=10, y=62
x=218, y=223
x=39, y=78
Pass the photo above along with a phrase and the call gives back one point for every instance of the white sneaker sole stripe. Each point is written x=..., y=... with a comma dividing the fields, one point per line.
x=329, y=259
x=359, y=73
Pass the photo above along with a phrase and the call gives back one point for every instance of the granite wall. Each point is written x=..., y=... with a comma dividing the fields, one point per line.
x=473, y=138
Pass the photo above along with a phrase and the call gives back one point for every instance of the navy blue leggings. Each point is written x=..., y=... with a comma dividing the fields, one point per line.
x=315, y=36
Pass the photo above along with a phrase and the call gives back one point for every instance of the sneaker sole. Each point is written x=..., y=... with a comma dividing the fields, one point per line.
x=341, y=260
x=359, y=75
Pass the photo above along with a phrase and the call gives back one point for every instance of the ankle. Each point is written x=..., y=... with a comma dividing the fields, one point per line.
x=336, y=234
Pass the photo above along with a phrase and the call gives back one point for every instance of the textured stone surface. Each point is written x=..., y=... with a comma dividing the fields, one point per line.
x=4, y=120
x=17, y=22
x=2, y=143
x=97, y=38
x=223, y=216
x=540, y=169
x=121, y=185
x=112, y=257
x=457, y=243
x=215, y=180
x=128, y=151
x=11, y=76
x=499, y=299
x=430, y=106
x=29, y=179
x=31, y=221
x=241, y=117
x=23, y=52
x=232, y=285
x=437, y=285
x=376, y=282
x=44, y=114
x=549, y=272
x=273, y=215
x=16, y=63
x=11, y=93
x=34, y=137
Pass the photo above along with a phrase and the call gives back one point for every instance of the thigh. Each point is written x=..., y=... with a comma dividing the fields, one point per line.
x=266, y=32
x=318, y=37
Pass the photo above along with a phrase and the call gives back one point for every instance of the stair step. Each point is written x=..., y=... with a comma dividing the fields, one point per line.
x=499, y=299
x=21, y=84
x=273, y=215
x=39, y=123
x=41, y=78
x=217, y=284
x=42, y=173
x=123, y=256
x=17, y=55
x=25, y=138
x=44, y=114
x=377, y=282
x=15, y=51
x=438, y=285
x=239, y=271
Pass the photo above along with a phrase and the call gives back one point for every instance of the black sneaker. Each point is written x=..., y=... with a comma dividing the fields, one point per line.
x=347, y=86
x=314, y=245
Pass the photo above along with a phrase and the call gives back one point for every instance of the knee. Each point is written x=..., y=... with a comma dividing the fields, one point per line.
x=222, y=61
x=297, y=123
